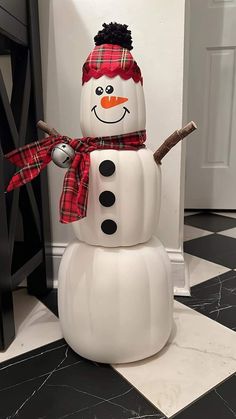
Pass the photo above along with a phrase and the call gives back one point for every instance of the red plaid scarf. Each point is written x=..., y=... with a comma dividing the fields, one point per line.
x=32, y=158
x=111, y=60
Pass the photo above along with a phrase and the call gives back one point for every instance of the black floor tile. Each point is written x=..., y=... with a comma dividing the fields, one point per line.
x=54, y=382
x=210, y=222
x=50, y=301
x=219, y=403
x=215, y=248
x=215, y=298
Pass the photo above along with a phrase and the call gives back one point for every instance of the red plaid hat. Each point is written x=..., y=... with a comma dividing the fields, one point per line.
x=111, y=60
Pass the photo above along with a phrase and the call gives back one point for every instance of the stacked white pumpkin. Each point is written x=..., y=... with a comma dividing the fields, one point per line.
x=115, y=290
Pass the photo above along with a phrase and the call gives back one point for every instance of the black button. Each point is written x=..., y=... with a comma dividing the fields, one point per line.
x=109, y=226
x=107, y=168
x=107, y=198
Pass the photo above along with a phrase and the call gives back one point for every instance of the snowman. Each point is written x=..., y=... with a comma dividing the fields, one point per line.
x=115, y=291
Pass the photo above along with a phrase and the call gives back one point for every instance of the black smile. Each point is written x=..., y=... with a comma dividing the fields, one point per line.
x=109, y=122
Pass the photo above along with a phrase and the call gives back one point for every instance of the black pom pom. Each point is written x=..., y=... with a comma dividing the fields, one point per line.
x=116, y=34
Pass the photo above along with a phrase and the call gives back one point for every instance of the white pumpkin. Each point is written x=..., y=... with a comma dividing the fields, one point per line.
x=135, y=187
x=115, y=305
x=97, y=120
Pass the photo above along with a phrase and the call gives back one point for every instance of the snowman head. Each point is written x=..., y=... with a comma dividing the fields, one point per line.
x=112, y=98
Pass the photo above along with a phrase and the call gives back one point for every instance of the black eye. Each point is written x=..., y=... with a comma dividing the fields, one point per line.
x=109, y=89
x=99, y=90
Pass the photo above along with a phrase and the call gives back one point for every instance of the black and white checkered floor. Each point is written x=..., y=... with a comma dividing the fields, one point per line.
x=192, y=377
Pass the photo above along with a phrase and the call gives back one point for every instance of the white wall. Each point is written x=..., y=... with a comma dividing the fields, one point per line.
x=67, y=31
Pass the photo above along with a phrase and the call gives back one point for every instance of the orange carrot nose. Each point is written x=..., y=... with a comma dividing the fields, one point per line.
x=110, y=101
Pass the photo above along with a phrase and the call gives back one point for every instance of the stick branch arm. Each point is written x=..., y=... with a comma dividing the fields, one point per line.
x=47, y=129
x=172, y=140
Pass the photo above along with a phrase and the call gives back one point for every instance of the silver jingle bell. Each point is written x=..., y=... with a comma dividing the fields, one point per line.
x=62, y=155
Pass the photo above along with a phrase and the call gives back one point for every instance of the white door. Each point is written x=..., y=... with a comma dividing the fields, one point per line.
x=211, y=152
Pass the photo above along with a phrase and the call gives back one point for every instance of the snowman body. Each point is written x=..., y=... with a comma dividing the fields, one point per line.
x=115, y=303
x=115, y=291
x=123, y=199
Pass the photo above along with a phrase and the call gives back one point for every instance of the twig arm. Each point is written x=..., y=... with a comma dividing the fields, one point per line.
x=172, y=140
x=46, y=128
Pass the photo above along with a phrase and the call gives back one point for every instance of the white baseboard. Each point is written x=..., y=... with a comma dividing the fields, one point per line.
x=179, y=271
x=53, y=257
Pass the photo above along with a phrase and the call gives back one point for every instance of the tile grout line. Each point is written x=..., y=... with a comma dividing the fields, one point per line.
x=203, y=395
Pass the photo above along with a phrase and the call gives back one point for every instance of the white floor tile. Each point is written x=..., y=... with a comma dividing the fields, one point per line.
x=200, y=354
x=35, y=325
x=230, y=233
x=226, y=214
x=200, y=270
x=194, y=233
